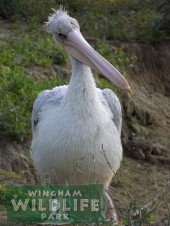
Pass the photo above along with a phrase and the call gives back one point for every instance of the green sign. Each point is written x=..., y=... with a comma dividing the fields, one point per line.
x=55, y=204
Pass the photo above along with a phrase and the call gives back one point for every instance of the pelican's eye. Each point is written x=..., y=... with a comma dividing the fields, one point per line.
x=62, y=36
x=72, y=24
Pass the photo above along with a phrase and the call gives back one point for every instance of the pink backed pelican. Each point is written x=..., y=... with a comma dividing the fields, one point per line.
x=76, y=127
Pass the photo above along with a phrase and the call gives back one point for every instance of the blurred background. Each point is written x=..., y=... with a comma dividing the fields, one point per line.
x=134, y=35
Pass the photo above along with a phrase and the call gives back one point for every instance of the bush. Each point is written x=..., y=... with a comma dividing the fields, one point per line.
x=115, y=55
x=18, y=93
x=9, y=8
x=124, y=20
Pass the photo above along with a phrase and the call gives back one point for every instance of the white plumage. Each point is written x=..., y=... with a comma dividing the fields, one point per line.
x=73, y=124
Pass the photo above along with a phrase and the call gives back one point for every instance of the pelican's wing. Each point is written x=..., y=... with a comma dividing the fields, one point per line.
x=111, y=101
x=46, y=97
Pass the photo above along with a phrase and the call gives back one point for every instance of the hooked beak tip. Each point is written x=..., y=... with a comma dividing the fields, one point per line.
x=129, y=90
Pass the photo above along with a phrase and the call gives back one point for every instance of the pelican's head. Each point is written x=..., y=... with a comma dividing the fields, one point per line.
x=66, y=30
x=60, y=24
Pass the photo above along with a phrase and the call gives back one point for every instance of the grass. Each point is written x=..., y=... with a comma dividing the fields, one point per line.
x=18, y=90
x=32, y=50
x=9, y=174
x=18, y=93
x=116, y=56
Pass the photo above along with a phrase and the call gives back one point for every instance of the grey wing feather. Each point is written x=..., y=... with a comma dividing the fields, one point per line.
x=45, y=98
x=109, y=99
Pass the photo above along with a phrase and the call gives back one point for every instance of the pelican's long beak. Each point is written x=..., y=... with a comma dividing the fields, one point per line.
x=79, y=48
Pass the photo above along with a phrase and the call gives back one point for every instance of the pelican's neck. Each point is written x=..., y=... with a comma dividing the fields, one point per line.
x=82, y=86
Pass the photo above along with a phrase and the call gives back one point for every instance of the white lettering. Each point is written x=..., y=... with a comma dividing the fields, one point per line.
x=67, y=193
x=65, y=216
x=33, y=204
x=41, y=208
x=51, y=217
x=20, y=203
x=60, y=193
x=65, y=208
x=43, y=215
x=58, y=216
x=77, y=193
x=32, y=193
x=45, y=193
x=54, y=204
x=83, y=204
x=75, y=204
x=53, y=193
x=94, y=205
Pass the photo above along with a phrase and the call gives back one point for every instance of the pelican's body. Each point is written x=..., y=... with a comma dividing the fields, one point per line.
x=76, y=128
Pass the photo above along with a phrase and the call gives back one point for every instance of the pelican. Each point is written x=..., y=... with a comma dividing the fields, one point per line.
x=76, y=127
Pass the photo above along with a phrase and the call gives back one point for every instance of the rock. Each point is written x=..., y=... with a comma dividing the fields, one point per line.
x=135, y=148
x=167, y=89
x=157, y=149
x=142, y=149
x=15, y=158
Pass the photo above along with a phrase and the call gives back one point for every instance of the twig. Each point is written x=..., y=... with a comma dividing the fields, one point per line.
x=117, y=176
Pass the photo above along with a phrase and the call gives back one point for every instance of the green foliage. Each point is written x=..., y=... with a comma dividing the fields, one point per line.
x=136, y=25
x=163, y=24
x=8, y=8
x=18, y=93
x=116, y=56
x=37, y=9
x=125, y=20
x=134, y=120
x=105, y=84
x=32, y=50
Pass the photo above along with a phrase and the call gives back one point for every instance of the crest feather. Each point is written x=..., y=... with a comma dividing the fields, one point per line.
x=54, y=15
